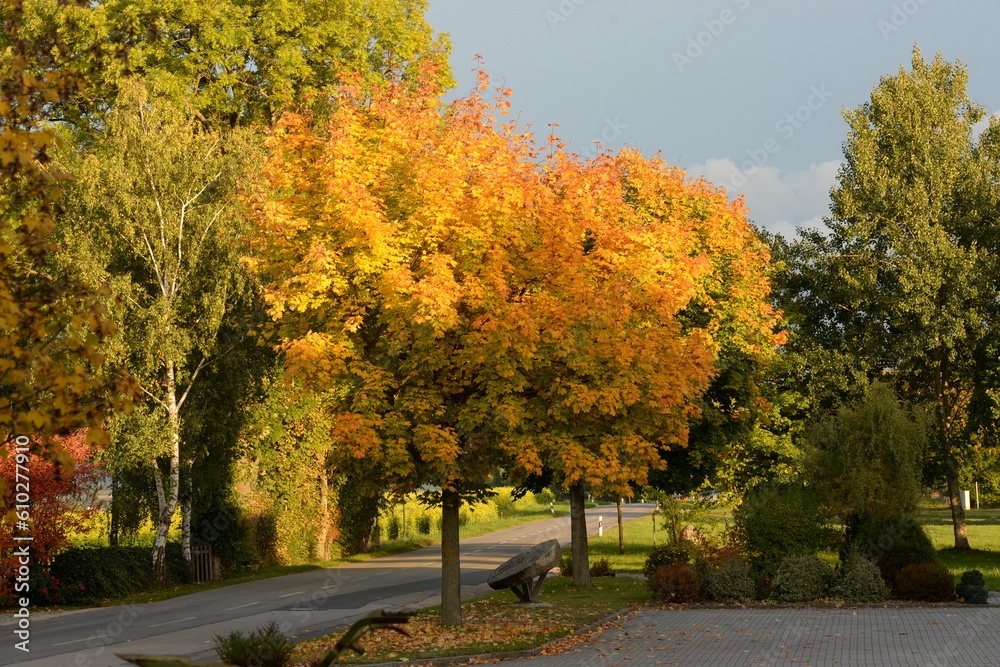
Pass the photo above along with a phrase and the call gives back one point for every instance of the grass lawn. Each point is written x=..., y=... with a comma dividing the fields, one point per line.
x=492, y=623
x=984, y=536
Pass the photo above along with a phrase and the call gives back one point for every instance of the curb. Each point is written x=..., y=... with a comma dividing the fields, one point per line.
x=500, y=655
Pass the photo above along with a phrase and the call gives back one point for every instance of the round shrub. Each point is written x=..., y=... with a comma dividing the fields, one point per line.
x=729, y=582
x=930, y=581
x=973, y=578
x=893, y=543
x=802, y=579
x=972, y=594
x=667, y=554
x=776, y=521
x=860, y=581
x=424, y=524
x=677, y=582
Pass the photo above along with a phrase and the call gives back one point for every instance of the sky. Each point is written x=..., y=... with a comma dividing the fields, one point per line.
x=747, y=93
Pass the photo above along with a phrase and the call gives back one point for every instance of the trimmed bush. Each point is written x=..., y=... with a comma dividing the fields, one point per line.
x=973, y=578
x=802, y=579
x=893, y=543
x=930, y=581
x=972, y=587
x=777, y=521
x=860, y=581
x=677, y=582
x=729, y=582
x=264, y=647
x=667, y=554
x=424, y=524
x=90, y=574
x=972, y=594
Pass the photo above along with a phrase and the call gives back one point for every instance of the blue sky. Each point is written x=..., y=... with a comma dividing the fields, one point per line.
x=748, y=93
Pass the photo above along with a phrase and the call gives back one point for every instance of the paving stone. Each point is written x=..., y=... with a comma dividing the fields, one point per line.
x=928, y=637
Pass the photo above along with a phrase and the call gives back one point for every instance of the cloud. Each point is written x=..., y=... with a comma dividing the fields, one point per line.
x=778, y=201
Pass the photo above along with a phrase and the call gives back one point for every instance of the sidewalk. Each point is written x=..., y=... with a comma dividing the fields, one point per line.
x=938, y=637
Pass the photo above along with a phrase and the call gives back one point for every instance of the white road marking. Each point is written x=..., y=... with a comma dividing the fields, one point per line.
x=288, y=595
x=248, y=604
x=176, y=620
x=77, y=641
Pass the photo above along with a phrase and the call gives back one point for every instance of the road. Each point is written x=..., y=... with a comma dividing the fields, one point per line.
x=305, y=605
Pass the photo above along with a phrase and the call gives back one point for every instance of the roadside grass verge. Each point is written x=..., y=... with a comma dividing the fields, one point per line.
x=492, y=623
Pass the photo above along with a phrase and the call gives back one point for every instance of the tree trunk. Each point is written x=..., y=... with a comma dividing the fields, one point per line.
x=166, y=491
x=185, y=501
x=621, y=528
x=957, y=509
x=113, y=529
x=578, y=535
x=451, y=571
x=323, y=535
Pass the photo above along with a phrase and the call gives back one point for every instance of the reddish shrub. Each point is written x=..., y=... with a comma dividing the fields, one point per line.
x=677, y=582
x=930, y=581
x=60, y=502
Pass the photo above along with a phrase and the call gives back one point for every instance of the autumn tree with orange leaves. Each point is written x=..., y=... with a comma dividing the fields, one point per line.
x=479, y=300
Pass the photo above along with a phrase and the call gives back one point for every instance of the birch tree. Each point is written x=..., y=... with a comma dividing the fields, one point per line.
x=154, y=217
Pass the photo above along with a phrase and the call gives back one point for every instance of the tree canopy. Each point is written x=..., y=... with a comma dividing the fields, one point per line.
x=481, y=299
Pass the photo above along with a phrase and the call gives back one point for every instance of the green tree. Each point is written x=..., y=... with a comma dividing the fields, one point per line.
x=866, y=461
x=238, y=62
x=904, y=285
x=155, y=217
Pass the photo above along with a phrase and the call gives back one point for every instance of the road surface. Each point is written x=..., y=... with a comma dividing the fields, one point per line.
x=305, y=605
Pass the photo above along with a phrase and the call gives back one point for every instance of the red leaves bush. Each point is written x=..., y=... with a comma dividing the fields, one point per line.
x=930, y=581
x=677, y=582
x=61, y=502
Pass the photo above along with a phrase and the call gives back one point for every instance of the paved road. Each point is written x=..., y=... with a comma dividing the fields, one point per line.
x=939, y=637
x=305, y=605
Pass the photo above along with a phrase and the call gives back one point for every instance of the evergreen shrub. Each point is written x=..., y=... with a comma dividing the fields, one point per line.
x=729, y=582
x=860, y=581
x=972, y=587
x=802, y=579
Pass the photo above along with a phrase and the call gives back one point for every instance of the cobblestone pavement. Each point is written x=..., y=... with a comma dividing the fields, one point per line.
x=930, y=637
